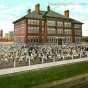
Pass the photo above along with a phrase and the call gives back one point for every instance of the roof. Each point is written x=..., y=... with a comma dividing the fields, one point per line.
x=54, y=14
x=76, y=21
x=43, y=14
x=34, y=15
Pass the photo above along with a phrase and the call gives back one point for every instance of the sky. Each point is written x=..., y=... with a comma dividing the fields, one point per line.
x=11, y=10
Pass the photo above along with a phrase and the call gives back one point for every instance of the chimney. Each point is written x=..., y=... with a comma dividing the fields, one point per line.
x=37, y=9
x=66, y=13
x=48, y=8
x=29, y=11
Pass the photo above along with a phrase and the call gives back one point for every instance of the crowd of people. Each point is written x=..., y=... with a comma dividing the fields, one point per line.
x=18, y=55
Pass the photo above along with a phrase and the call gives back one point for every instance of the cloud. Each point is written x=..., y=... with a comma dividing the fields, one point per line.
x=8, y=15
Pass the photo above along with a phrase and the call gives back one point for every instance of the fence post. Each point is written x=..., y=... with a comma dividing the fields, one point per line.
x=42, y=60
x=72, y=56
x=29, y=61
x=54, y=59
x=63, y=57
x=14, y=63
x=80, y=53
x=62, y=53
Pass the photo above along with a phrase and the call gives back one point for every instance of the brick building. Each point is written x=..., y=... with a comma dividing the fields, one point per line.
x=9, y=36
x=47, y=27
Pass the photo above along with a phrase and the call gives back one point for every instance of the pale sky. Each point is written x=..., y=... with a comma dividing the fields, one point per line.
x=11, y=10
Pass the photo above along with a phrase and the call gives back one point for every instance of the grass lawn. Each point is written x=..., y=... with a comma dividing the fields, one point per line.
x=31, y=78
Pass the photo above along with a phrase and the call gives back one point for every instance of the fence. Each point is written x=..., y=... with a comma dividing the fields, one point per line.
x=19, y=56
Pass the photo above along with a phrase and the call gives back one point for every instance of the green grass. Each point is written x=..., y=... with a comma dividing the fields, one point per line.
x=32, y=78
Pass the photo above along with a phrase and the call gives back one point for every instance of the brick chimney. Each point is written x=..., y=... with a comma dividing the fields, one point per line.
x=29, y=11
x=66, y=13
x=37, y=9
x=48, y=8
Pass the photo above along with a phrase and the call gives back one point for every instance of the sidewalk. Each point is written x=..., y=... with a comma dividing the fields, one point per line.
x=39, y=66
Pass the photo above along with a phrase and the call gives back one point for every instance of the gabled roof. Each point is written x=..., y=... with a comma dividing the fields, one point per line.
x=43, y=14
x=53, y=14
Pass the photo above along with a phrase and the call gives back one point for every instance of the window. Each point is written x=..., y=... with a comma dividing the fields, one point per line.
x=52, y=39
x=51, y=30
x=67, y=39
x=33, y=22
x=60, y=31
x=77, y=39
x=67, y=32
x=78, y=32
x=33, y=29
x=59, y=24
x=67, y=24
x=51, y=23
x=77, y=26
x=33, y=39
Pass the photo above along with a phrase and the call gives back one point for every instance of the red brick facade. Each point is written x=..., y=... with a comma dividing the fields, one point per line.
x=47, y=29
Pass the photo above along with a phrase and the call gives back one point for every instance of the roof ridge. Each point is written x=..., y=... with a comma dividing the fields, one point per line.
x=44, y=14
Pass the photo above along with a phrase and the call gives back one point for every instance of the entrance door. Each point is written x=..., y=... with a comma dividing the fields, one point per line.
x=59, y=41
